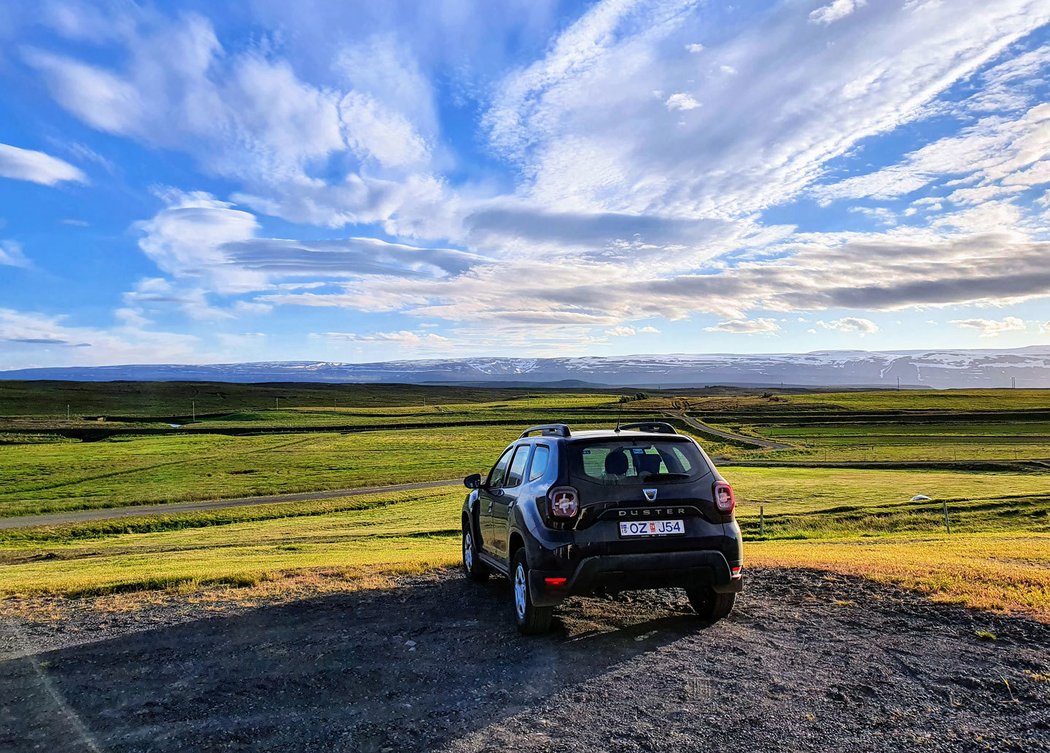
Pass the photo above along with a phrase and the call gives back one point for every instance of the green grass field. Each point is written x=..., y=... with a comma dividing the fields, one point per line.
x=166, y=399
x=852, y=520
x=136, y=470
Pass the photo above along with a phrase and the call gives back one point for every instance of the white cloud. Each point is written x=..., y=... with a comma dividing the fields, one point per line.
x=37, y=167
x=156, y=294
x=896, y=269
x=198, y=237
x=11, y=255
x=242, y=114
x=30, y=339
x=1002, y=154
x=623, y=331
x=575, y=52
x=620, y=207
x=250, y=117
x=401, y=337
x=101, y=99
x=681, y=102
x=836, y=10
x=992, y=327
x=746, y=327
x=189, y=237
x=374, y=131
x=851, y=324
x=581, y=124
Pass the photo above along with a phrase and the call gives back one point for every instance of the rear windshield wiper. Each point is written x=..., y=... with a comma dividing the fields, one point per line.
x=662, y=476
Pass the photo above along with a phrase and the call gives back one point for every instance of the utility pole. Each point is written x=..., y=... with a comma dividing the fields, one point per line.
x=67, y=412
x=1013, y=383
x=277, y=403
x=898, y=384
x=193, y=410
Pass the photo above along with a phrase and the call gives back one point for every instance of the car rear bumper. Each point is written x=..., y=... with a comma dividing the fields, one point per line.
x=622, y=572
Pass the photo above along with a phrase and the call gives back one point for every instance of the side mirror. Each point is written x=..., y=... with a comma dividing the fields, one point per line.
x=473, y=481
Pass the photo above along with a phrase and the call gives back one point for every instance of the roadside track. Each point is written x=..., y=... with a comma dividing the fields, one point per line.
x=702, y=428
x=135, y=511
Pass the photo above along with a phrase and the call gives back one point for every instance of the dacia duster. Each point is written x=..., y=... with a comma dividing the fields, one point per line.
x=574, y=513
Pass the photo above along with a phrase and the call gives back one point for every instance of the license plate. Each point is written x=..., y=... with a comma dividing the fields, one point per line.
x=652, y=528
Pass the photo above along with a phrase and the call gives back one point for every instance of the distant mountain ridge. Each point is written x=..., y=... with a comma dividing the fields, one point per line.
x=1021, y=367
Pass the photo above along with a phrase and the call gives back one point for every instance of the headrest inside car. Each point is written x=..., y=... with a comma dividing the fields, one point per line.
x=616, y=463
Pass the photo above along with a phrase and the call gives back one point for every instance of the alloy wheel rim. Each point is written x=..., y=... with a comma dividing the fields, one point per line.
x=519, y=590
x=468, y=552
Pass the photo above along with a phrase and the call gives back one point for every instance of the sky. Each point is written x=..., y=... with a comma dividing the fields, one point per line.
x=202, y=182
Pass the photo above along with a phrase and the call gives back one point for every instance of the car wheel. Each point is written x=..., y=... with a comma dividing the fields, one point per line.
x=710, y=604
x=531, y=619
x=473, y=568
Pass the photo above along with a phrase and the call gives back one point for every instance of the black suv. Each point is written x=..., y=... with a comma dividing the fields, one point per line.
x=564, y=513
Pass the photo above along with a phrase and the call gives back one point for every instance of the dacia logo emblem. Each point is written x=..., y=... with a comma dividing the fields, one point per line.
x=650, y=494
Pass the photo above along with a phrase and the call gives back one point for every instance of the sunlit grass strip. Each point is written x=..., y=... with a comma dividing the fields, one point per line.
x=1002, y=573
x=414, y=534
x=232, y=565
x=15, y=542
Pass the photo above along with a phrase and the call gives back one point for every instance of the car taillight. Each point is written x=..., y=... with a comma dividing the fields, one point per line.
x=724, y=499
x=564, y=501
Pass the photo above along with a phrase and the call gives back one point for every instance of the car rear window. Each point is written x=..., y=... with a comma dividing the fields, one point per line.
x=632, y=461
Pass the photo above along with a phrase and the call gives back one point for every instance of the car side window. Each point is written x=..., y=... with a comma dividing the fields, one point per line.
x=499, y=471
x=540, y=458
x=517, y=466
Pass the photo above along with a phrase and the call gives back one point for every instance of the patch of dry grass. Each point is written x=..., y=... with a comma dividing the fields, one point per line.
x=997, y=572
x=285, y=587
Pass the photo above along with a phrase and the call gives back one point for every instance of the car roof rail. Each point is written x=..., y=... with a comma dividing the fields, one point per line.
x=656, y=427
x=548, y=430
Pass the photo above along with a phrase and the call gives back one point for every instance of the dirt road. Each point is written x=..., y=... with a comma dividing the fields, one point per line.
x=132, y=511
x=701, y=428
x=806, y=663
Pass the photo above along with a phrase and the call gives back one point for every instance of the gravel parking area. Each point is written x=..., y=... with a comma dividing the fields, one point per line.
x=807, y=662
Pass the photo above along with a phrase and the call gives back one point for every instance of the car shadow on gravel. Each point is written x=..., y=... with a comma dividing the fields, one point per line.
x=409, y=668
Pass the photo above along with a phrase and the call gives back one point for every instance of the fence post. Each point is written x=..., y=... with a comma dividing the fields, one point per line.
x=762, y=520
x=944, y=506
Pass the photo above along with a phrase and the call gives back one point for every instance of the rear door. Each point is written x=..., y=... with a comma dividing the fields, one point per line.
x=489, y=492
x=504, y=503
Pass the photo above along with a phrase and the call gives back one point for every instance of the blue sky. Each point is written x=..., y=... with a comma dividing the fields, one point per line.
x=214, y=182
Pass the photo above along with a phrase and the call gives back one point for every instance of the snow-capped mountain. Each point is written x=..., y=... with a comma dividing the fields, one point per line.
x=1023, y=367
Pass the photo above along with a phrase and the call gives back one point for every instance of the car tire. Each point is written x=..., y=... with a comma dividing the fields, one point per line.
x=473, y=568
x=710, y=604
x=531, y=619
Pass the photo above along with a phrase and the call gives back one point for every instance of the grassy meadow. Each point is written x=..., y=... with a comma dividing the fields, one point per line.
x=795, y=507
